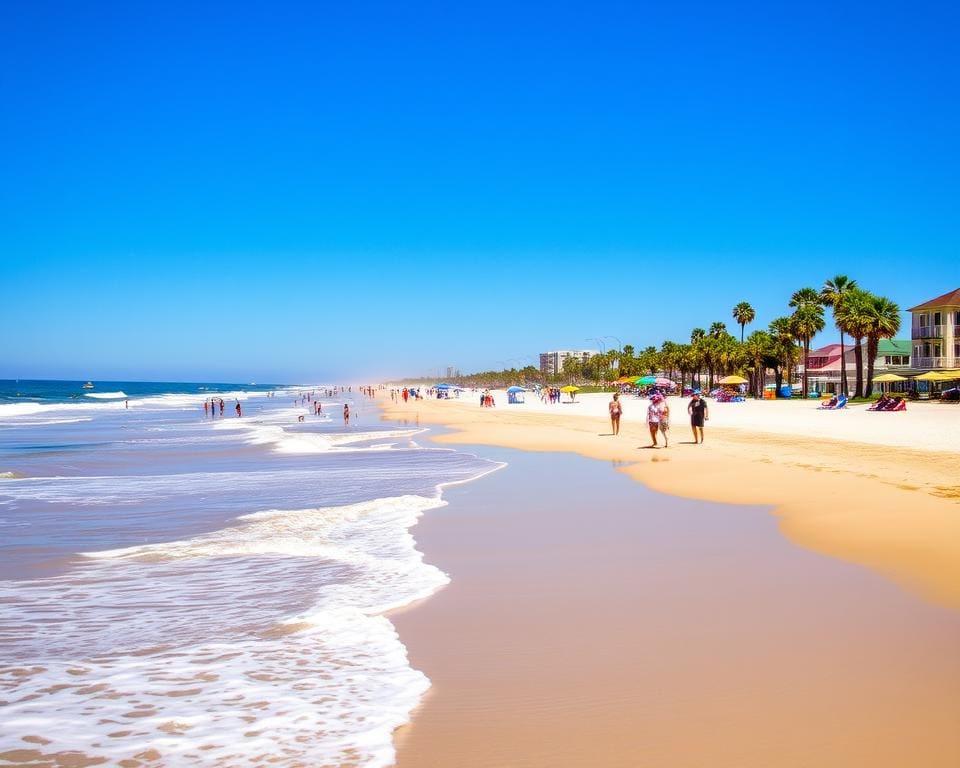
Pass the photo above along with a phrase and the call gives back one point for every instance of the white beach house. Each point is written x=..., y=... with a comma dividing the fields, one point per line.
x=936, y=332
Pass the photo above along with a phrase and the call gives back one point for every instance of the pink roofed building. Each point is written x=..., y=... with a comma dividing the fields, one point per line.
x=823, y=374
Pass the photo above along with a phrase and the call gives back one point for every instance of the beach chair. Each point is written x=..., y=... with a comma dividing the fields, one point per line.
x=829, y=405
x=841, y=403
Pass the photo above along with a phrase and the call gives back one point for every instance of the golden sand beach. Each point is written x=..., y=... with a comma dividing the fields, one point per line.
x=723, y=643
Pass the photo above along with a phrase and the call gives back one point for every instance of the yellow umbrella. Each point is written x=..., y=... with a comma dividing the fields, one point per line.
x=733, y=380
x=569, y=388
x=934, y=376
x=887, y=378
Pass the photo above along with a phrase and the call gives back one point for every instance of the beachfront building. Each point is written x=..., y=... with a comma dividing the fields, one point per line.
x=551, y=363
x=893, y=356
x=936, y=332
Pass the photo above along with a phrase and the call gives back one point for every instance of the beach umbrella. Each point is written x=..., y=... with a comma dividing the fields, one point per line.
x=934, y=376
x=733, y=380
x=517, y=389
x=625, y=380
x=569, y=388
x=664, y=382
x=887, y=378
x=645, y=380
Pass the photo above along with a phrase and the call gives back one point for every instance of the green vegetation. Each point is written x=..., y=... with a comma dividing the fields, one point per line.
x=713, y=353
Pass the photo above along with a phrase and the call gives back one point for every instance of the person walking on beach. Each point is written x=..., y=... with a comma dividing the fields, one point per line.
x=615, y=409
x=653, y=420
x=206, y=408
x=697, y=409
x=346, y=415
x=221, y=406
x=664, y=420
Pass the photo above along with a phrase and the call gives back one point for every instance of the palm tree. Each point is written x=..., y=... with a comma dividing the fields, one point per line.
x=784, y=348
x=681, y=358
x=804, y=297
x=717, y=329
x=806, y=322
x=757, y=348
x=834, y=291
x=884, y=316
x=743, y=313
x=697, y=335
x=853, y=316
x=668, y=358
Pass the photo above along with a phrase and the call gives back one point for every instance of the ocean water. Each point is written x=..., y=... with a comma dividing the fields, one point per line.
x=181, y=589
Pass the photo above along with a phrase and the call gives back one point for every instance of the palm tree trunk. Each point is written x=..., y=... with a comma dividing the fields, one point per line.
x=843, y=367
x=806, y=364
x=858, y=358
x=742, y=326
x=872, y=343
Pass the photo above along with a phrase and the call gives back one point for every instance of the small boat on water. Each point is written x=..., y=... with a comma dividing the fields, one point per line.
x=88, y=385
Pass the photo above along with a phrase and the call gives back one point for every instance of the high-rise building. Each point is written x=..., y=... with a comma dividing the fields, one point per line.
x=551, y=363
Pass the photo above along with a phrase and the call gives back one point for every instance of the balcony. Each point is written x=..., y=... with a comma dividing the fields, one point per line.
x=937, y=362
x=928, y=332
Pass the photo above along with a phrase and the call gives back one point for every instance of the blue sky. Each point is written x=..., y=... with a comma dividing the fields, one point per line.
x=294, y=192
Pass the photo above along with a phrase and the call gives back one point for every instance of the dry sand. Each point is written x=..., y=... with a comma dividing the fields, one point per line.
x=591, y=621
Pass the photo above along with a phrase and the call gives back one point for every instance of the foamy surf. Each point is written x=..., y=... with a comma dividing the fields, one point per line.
x=192, y=674
x=263, y=640
x=106, y=395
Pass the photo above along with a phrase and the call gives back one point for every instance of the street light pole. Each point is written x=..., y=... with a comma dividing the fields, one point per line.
x=619, y=343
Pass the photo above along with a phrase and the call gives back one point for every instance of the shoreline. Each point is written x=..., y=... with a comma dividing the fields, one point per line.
x=618, y=626
x=890, y=509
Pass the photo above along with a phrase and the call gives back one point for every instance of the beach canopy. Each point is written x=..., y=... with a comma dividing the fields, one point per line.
x=517, y=389
x=569, y=388
x=442, y=386
x=888, y=378
x=934, y=376
x=733, y=380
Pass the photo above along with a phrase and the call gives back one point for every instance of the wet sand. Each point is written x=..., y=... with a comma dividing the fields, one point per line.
x=889, y=507
x=592, y=621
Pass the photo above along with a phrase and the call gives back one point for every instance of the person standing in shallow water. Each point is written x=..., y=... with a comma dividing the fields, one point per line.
x=697, y=409
x=346, y=414
x=615, y=408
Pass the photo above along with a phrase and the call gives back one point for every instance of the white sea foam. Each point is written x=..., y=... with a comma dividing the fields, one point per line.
x=106, y=395
x=291, y=441
x=260, y=643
